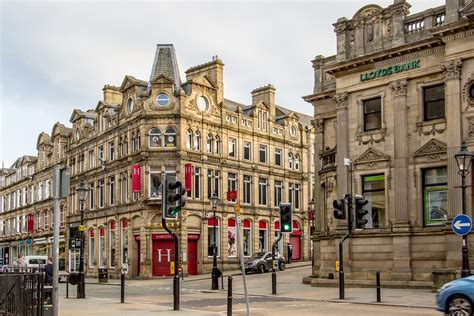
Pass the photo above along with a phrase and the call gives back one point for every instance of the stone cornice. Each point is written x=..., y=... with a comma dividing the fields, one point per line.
x=398, y=54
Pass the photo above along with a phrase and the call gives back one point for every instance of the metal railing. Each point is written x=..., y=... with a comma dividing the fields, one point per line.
x=21, y=292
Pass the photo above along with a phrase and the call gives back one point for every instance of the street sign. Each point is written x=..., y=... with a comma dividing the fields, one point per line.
x=82, y=228
x=337, y=266
x=275, y=264
x=124, y=268
x=237, y=209
x=172, y=267
x=462, y=224
x=28, y=241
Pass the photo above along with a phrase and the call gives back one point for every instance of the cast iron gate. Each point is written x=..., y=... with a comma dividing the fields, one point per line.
x=21, y=292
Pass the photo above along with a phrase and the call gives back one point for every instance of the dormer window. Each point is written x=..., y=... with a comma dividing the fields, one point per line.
x=130, y=105
x=162, y=100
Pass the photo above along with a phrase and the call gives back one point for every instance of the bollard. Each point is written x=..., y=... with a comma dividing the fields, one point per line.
x=377, y=281
x=122, y=288
x=222, y=280
x=274, y=283
x=229, y=295
x=67, y=287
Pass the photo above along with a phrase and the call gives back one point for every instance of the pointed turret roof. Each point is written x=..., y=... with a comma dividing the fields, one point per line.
x=166, y=64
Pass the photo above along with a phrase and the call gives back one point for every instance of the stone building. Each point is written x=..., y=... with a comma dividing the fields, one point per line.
x=26, y=201
x=397, y=99
x=147, y=127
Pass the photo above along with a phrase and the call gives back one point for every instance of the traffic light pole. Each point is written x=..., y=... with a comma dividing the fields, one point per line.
x=176, y=265
x=274, y=276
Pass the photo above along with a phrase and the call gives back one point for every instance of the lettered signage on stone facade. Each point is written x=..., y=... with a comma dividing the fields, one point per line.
x=382, y=72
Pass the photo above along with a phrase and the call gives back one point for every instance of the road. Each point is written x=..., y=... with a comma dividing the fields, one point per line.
x=150, y=296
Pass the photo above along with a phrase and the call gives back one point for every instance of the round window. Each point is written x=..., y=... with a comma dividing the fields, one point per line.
x=130, y=105
x=202, y=104
x=162, y=99
x=293, y=131
x=471, y=91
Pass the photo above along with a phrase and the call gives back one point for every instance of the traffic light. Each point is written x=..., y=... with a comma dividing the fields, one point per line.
x=360, y=221
x=174, y=198
x=286, y=218
x=339, y=209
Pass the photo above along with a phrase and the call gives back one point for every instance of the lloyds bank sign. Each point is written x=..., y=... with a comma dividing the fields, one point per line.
x=387, y=71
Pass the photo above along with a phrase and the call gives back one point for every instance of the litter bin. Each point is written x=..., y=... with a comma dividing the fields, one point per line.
x=48, y=301
x=103, y=275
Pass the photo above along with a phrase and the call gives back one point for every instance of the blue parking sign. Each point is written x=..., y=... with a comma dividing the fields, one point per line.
x=461, y=224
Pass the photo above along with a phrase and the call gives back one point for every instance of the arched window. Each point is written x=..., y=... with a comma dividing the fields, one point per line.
x=112, y=253
x=297, y=162
x=91, y=248
x=170, y=137
x=210, y=143
x=102, y=254
x=290, y=161
x=247, y=238
x=231, y=238
x=217, y=146
x=189, y=139
x=262, y=236
x=197, y=141
x=156, y=139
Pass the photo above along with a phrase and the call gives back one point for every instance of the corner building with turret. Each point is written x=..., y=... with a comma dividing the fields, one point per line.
x=143, y=128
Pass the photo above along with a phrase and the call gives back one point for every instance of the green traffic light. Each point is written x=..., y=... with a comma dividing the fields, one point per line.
x=286, y=227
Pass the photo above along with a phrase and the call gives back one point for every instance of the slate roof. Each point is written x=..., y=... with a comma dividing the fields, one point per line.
x=165, y=63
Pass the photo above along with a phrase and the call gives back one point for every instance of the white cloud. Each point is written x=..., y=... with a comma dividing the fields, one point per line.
x=56, y=56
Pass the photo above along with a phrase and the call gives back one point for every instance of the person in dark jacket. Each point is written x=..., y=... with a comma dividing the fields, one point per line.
x=48, y=270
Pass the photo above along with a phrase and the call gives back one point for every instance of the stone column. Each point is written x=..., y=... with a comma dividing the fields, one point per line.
x=340, y=28
x=318, y=146
x=359, y=40
x=342, y=142
x=342, y=139
x=452, y=70
x=400, y=164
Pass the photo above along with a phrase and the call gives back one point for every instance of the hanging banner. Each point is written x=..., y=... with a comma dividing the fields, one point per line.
x=136, y=181
x=30, y=224
x=188, y=176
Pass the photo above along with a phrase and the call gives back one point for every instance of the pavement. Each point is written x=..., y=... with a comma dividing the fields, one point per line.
x=144, y=297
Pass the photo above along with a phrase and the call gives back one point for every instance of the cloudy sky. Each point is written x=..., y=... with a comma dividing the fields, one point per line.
x=57, y=55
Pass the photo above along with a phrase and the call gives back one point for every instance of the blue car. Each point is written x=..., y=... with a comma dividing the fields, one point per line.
x=456, y=297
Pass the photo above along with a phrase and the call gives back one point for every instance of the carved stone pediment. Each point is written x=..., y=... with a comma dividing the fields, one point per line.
x=433, y=146
x=371, y=154
x=372, y=159
x=162, y=79
x=203, y=81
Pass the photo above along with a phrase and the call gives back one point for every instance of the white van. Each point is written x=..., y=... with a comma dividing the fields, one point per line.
x=41, y=261
x=36, y=261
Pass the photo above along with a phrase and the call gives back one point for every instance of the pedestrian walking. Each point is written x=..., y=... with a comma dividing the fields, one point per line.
x=20, y=262
x=48, y=270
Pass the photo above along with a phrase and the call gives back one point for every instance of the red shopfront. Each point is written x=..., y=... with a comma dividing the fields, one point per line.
x=163, y=254
x=193, y=254
x=295, y=241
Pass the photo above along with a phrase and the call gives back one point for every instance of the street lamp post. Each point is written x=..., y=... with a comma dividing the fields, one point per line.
x=463, y=159
x=311, y=218
x=215, y=272
x=81, y=289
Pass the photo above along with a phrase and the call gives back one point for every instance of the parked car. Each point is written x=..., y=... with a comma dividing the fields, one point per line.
x=262, y=262
x=456, y=297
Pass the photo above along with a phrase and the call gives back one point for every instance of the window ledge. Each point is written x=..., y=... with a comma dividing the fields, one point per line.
x=432, y=127
x=371, y=137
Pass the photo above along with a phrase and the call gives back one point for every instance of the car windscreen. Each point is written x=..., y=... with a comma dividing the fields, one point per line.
x=258, y=255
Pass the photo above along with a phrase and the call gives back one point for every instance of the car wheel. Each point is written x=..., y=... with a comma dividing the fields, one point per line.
x=261, y=268
x=281, y=265
x=459, y=305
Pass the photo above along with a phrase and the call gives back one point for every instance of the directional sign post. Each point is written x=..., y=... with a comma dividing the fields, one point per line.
x=462, y=224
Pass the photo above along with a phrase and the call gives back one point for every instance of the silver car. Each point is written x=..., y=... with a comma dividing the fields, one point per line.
x=262, y=262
